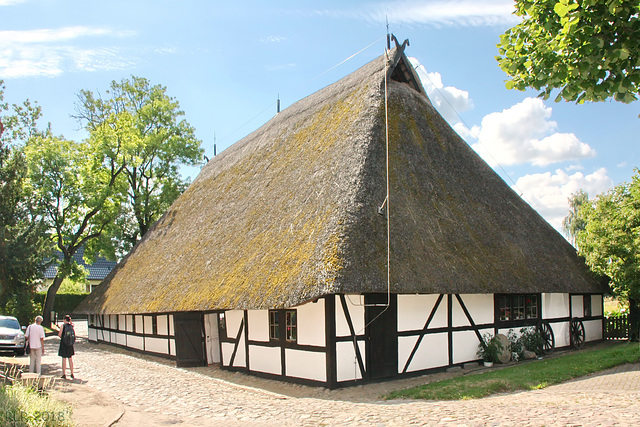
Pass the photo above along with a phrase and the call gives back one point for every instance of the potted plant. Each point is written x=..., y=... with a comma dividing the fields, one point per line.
x=489, y=349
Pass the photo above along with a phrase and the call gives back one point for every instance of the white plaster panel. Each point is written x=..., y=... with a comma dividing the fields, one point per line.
x=311, y=324
x=596, y=305
x=122, y=322
x=171, y=325
x=306, y=364
x=480, y=307
x=355, y=305
x=93, y=336
x=258, y=326
x=139, y=325
x=114, y=321
x=156, y=345
x=555, y=306
x=163, y=325
x=414, y=311
x=265, y=359
x=172, y=347
x=227, y=351
x=346, y=362
x=465, y=345
x=592, y=330
x=233, y=319
x=135, y=342
x=432, y=352
x=121, y=339
x=577, y=305
x=129, y=323
x=105, y=321
x=148, y=325
x=561, y=334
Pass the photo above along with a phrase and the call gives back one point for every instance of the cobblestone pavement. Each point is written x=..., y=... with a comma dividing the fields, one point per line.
x=142, y=390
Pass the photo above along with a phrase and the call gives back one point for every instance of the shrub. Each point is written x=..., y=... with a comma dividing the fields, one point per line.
x=23, y=406
x=489, y=349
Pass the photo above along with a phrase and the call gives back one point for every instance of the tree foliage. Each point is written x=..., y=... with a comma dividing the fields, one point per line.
x=144, y=124
x=610, y=241
x=588, y=49
x=23, y=237
x=573, y=223
x=77, y=184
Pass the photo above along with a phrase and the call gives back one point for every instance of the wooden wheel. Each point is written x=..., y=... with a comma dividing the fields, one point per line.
x=546, y=333
x=577, y=333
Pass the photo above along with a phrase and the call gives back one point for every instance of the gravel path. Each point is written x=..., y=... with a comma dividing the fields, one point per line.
x=137, y=389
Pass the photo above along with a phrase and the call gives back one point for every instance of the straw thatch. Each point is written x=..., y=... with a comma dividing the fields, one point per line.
x=290, y=213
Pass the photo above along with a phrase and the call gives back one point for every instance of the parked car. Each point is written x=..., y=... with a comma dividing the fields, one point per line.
x=12, y=335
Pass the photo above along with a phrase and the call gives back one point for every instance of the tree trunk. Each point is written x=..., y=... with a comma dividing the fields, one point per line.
x=50, y=298
x=634, y=320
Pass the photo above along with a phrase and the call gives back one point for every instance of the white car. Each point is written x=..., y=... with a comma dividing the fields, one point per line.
x=12, y=335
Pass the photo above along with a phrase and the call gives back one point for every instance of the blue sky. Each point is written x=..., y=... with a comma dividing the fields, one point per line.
x=227, y=62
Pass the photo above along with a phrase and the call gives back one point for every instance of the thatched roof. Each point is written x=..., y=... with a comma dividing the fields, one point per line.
x=290, y=213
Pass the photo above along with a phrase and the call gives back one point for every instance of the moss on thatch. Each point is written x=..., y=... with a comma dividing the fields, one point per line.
x=290, y=213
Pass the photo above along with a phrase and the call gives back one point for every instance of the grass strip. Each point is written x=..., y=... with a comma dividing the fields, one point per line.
x=526, y=376
x=24, y=406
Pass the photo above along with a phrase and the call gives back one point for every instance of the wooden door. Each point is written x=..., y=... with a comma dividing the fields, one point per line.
x=381, y=335
x=190, y=348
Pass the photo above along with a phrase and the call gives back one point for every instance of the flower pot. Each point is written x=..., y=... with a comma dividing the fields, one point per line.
x=488, y=364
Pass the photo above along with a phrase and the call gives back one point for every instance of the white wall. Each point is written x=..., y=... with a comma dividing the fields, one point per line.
x=555, y=305
x=577, y=306
x=233, y=320
x=414, y=311
x=258, y=325
x=347, y=367
x=432, y=353
x=156, y=345
x=163, y=325
x=135, y=342
x=480, y=307
x=311, y=324
x=355, y=306
x=592, y=330
x=139, y=324
x=121, y=339
x=129, y=323
x=465, y=345
x=92, y=335
x=122, y=322
x=148, y=325
x=264, y=359
x=596, y=305
x=306, y=364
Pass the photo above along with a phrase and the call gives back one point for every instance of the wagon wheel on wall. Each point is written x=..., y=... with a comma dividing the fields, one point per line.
x=577, y=333
x=546, y=333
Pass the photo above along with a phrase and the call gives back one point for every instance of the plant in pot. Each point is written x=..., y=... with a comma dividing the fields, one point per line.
x=489, y=349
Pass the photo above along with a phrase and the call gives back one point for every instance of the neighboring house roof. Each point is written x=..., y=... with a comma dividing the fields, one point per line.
x=290, y=213
x=98, y=270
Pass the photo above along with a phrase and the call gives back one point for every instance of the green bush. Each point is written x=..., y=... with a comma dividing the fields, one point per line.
x=23, y=306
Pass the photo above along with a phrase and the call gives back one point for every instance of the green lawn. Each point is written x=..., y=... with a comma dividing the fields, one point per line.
x=526, y=375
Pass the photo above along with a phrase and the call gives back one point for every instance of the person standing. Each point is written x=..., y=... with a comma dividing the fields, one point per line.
x=67, y=336
x=35, y=336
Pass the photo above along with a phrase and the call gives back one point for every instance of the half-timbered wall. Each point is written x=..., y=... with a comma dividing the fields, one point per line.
x=149, y=333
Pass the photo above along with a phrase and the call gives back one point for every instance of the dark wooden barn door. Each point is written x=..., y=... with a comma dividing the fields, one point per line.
x=381, y=335
x=190, y=348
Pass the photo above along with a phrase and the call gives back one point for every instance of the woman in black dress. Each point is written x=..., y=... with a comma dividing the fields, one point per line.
x=66, y=351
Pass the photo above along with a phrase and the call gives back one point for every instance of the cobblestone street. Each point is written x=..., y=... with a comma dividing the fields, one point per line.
x=116, y=387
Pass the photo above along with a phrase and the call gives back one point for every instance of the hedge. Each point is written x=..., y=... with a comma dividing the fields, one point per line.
x=64, y=303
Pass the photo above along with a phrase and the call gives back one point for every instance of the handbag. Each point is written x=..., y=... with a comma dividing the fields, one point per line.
x=27, y=349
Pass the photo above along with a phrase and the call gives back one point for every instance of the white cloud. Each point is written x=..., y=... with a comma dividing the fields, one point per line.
x=449, y=100
x=524, y=133
x=548, y=193
x=436, y=12
x=272, y=39
x=50, y=52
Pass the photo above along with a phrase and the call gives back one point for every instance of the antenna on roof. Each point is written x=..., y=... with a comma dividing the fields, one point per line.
x=278, y=108
x=388, y=34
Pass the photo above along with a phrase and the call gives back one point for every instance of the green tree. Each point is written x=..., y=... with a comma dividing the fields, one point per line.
x=588, y=49
x=23, y=238
x=146, y=124
x=573, y=223
x=78, y=186
x=610, y=241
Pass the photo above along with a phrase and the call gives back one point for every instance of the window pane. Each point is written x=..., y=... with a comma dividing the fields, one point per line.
x=274, y=325
x=291, y=324
x=518, y=307
x=504, y=308
x=532, y=306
